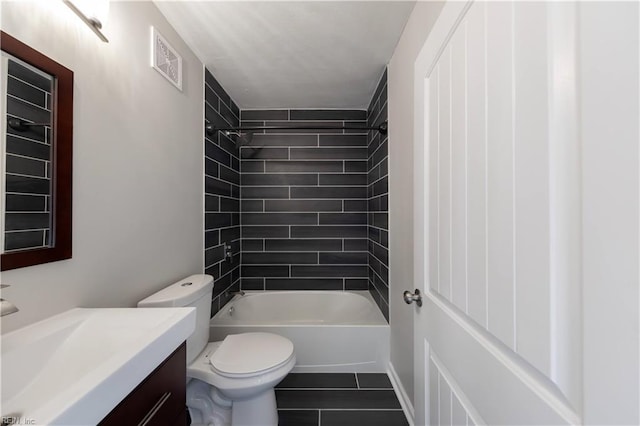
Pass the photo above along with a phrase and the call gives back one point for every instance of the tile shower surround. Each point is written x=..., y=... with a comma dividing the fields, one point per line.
x=302, y=209
x=304, y=202
x=378, y=200
x=222, y=194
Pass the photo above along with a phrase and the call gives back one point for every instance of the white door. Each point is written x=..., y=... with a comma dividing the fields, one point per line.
x=527, y=217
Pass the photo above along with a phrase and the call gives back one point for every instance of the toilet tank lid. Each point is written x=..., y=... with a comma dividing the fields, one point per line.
x=182, y=293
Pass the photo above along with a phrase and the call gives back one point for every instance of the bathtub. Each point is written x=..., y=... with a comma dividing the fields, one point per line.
x=332, y=331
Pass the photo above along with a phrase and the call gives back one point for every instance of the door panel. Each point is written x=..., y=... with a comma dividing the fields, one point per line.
x=491, y=315
x=490, y=162
x=476, y=124
x=527, y=208
x=499, y=385
x=500, y=170
x=531, y=182
x=434, y=182
x=443, y=171
x=458, y=169
x=450, y=398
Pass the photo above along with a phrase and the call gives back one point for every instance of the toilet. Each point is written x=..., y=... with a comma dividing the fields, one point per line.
x=229, y=382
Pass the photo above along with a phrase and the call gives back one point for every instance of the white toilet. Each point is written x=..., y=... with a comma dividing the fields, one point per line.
x=229, y=382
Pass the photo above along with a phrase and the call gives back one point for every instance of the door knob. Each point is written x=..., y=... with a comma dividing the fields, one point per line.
x=409, y=297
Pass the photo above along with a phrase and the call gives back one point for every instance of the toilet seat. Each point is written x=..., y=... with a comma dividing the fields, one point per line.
x=249, y=354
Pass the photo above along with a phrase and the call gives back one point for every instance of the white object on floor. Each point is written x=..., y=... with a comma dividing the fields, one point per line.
x=231, y=382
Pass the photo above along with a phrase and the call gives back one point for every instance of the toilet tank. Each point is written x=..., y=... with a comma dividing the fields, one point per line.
x=193, y=291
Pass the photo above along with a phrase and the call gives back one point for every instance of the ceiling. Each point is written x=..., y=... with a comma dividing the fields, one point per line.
x=292, y=54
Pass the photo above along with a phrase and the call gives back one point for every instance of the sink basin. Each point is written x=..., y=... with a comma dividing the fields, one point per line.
x=75, y=367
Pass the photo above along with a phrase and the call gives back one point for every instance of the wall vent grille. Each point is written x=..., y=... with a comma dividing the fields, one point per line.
x=165, y=59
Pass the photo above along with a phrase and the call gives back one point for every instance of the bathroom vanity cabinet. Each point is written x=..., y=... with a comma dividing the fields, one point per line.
x=159, y=400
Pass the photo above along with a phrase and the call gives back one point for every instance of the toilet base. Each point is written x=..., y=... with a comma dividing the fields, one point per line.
x=207, y=407
x=260, y=410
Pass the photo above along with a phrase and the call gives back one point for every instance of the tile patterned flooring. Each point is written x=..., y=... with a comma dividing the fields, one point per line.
x=338, y=399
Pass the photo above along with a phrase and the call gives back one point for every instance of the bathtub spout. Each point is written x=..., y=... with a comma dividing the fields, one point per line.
x=238, y=293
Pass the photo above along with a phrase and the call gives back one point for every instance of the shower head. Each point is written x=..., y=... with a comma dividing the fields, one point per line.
x=241, y=139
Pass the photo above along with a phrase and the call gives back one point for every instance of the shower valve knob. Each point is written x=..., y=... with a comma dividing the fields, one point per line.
x=409, y=297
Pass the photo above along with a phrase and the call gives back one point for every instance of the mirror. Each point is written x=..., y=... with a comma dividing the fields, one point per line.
x=37, y=111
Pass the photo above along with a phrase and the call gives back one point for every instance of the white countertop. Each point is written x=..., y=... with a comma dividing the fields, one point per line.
x=75, y=367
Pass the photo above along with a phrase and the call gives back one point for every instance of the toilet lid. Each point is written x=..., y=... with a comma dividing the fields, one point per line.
x=248, y=353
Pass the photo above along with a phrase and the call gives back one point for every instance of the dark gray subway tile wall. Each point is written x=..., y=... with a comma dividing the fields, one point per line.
x=304, y=202
x=28, y=160
x=302, y=209
x=378, y=200
x=222, y=194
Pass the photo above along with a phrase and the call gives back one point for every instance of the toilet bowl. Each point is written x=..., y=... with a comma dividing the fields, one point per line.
x=230, y=383
x=243, y=369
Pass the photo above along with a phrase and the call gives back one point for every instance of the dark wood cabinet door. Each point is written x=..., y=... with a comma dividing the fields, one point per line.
x=159, y=400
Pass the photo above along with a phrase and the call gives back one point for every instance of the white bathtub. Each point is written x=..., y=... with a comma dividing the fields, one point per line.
x=332, y=331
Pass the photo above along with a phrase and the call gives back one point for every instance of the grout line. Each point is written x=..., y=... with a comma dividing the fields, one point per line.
x=8, y=231
x=326, y=278
x=39, y=107
x=21, y=137
x=17, y=78
x=338, y=409
x=28, y=176
x=29, y=158
x=363, y=409
x=305, y=264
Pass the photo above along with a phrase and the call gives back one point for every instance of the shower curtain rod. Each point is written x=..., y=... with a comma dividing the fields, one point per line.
x=211, y=129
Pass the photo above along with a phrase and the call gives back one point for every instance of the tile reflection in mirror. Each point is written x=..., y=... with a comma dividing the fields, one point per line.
x=28, y=153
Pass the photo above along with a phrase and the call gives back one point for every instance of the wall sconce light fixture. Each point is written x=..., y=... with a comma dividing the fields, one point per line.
x=93, y=12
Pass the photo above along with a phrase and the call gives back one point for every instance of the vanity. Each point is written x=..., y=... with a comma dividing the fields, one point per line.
x=159, y=399
x=98, y=366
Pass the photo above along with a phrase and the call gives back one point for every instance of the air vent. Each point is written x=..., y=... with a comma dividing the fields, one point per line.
x=165, y=59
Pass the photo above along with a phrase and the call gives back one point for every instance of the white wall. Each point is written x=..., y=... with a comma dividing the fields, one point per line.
x=137, y=166
x=400, y=89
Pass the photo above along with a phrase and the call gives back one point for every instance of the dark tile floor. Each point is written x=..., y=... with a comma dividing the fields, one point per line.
x=338, y=399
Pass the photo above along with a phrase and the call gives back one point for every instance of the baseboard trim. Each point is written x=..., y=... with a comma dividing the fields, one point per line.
x=405, y=402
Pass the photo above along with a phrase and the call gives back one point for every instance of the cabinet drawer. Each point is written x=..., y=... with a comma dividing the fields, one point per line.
x=159, y=399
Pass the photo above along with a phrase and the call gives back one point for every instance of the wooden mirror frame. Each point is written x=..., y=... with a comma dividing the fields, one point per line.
x=61, y=154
